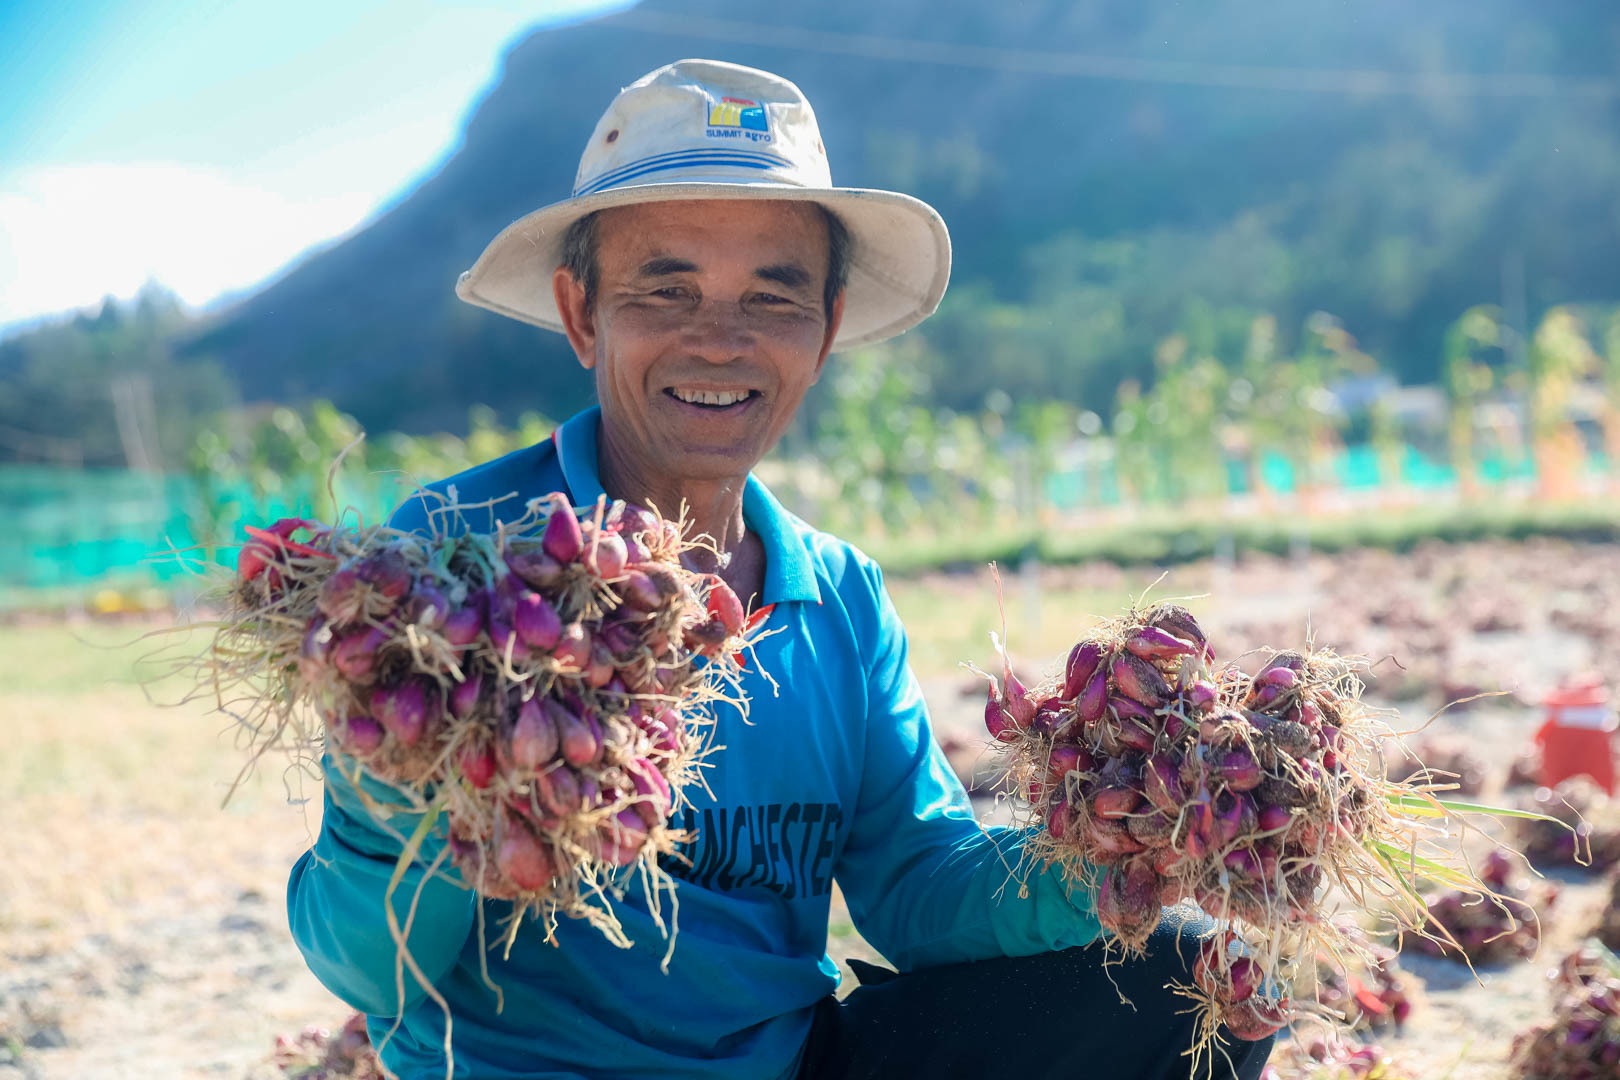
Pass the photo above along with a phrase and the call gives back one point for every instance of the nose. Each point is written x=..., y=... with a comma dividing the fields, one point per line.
x=720, y=331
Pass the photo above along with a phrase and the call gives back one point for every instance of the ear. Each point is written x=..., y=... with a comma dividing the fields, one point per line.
x=578, y=322
x=834, y=320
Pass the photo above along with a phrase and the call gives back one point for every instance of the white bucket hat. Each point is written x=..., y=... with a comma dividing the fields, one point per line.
x=702, y=129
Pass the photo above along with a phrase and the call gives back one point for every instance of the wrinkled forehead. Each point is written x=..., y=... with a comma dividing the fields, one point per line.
x=717, y=234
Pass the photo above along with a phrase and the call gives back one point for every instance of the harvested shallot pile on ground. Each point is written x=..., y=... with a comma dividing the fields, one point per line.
x=1379, y=995
x=1580, y=827
x=1332, y=1059
x=318, y=1054
x=1154, y=776
x=1608, y=923
x=540, y=692
x=1442, y=763
x=1582, y=1041
x=1525, y=769
x=1461, y=926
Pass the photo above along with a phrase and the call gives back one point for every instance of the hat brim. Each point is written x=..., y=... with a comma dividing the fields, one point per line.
x=900, y=253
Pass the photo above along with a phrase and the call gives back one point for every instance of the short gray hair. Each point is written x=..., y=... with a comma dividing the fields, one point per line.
x=579, y=256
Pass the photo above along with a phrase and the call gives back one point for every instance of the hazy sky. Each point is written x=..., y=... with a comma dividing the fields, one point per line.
x=204, y=144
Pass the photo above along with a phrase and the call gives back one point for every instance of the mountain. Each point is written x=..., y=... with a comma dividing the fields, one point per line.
x=1109, y=169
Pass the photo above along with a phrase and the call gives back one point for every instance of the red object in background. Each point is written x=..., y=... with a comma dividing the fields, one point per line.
x=1576, y=738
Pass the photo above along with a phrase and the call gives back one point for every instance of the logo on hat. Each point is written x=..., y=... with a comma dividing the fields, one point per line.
x=738, y=118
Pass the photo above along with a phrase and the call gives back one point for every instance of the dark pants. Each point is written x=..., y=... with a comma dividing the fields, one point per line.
x=1052, y=1015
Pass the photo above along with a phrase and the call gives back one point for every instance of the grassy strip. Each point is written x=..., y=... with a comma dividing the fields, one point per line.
x=61, y=659
x=1167, y=540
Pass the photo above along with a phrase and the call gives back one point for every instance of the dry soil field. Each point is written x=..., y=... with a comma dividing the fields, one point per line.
x=142, y=930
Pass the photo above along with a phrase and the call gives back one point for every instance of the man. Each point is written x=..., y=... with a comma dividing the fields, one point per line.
x=703, y=270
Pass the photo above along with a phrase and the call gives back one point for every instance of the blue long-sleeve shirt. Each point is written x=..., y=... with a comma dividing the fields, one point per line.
x=836, y=778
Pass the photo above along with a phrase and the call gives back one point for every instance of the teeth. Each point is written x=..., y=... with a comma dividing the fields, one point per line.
x=711, y=397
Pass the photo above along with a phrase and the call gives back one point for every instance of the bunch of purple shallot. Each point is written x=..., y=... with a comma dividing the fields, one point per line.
x=1154, y=776
x=544, y=689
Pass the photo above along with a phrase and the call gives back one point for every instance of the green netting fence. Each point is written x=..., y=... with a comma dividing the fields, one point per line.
x=75, y=530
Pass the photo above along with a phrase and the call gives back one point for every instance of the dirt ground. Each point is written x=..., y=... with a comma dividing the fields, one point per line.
x=142, y=927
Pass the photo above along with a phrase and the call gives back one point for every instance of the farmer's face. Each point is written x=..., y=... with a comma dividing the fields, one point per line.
x=709, y=327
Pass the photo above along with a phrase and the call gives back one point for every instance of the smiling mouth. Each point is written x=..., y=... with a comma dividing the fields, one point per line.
x=712, y=399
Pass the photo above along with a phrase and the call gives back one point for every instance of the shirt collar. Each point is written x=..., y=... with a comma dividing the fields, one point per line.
x=789, y=572
x=576, y=454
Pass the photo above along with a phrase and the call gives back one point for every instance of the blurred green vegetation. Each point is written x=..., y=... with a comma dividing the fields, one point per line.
x=1176, y=298
x=1235, y=445
x=105, y=389
x=247, y=467
x=1391, y=163
x=1092, y=219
